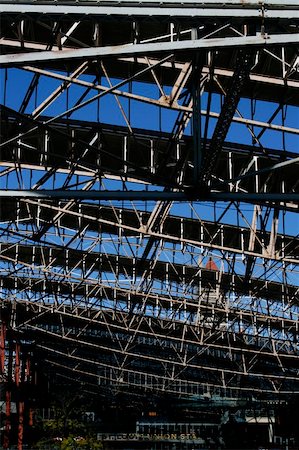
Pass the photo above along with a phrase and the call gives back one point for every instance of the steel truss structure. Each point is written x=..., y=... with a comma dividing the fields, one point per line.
x=149, y=186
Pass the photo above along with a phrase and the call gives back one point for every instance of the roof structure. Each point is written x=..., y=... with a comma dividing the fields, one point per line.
x=149, y=192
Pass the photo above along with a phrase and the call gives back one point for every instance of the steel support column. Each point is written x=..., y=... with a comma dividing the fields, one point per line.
x=196, y=117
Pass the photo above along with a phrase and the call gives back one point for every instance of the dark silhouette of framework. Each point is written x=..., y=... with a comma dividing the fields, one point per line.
x=101, y=274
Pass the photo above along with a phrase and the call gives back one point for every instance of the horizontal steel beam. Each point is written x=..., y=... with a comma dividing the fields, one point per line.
x=280, y=4
x=223, y=72
x=220, y=72
x=150, y=195
x=186, y=9
x=81, y=309
x=136, y=49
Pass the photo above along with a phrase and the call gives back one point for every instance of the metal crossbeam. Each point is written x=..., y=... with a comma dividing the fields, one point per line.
x=252, y=9
x=151, y=195
x=137, y=49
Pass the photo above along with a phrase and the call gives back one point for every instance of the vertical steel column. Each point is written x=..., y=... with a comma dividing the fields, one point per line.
x=8, y=398
x=196, y=117
x=17, y=365
x=20, y=377
x=31, y=414
x=7, y=419
x=29, y=377
x=21, y=424
x=2, y=346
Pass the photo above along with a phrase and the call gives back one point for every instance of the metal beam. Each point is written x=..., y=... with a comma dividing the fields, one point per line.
x=254, y=77
x=172, y=103
x=196, y=119
x=136, y=49
x=151, y=195
x=233, y=95
x=252, y=9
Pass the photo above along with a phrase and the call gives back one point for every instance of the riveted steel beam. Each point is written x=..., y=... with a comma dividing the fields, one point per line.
x=252, y=9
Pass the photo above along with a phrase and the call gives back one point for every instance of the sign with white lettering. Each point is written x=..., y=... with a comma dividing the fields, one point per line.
x=173, y=437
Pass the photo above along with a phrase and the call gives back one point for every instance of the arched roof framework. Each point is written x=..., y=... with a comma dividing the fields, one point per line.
x=152, y=242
